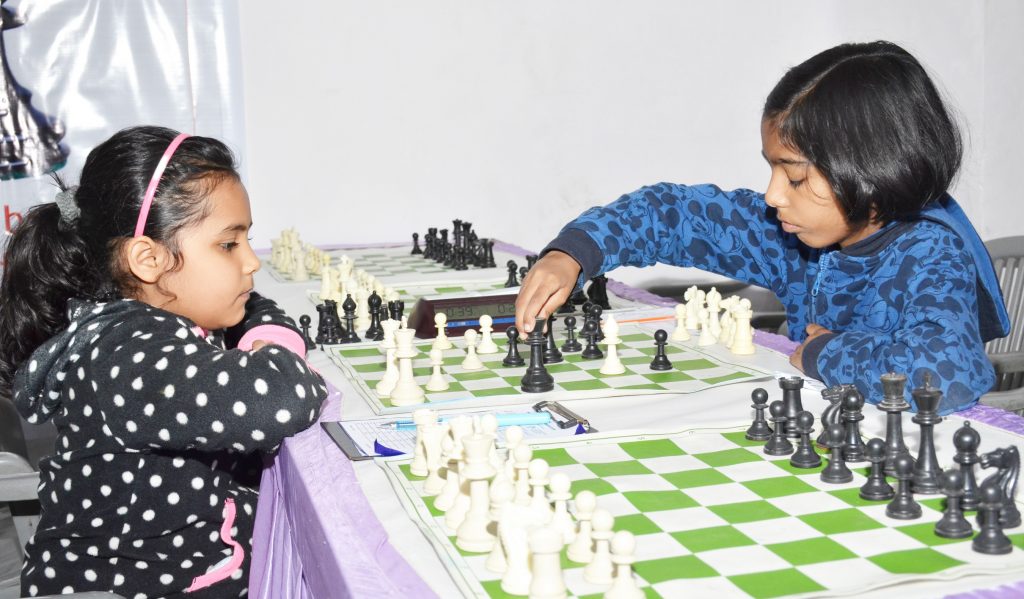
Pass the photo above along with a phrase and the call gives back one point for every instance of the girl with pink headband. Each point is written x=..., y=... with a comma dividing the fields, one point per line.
x=128, y=318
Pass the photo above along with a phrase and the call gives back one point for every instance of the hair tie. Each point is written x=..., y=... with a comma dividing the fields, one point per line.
x=147, y=200
x=68, y=207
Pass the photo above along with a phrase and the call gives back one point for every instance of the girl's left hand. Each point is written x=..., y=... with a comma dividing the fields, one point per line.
x=797, y=358
x=258, y=345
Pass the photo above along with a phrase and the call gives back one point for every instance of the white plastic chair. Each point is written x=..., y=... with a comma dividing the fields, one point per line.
x=1007, y=354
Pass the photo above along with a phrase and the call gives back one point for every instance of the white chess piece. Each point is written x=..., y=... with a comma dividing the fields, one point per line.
x=501, y=493
x=489, y=427
x=600, y=568
x=743, y=338
x=421, y=417
x=326, y=283
x=612, y=364
x=487, y=344
x=546, y=549
x=406, y=392
x=538, y=471
x=472, y=534
x=450, y=490
x=387, y=384
x=681, y=333
x=561, y=520
x=437, y=381
x=513, y=437
x=517, y=577
x=623, y=550
x=432, y=436
x=692, y=305
x=362, y=309
x=299, y=272
x=580, y=550
x=706, y=338
x=441, y=341
x=388, y=342
x=523, y=455
x=472, y=361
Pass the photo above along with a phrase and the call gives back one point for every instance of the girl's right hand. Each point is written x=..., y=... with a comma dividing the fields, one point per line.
x=546, y=287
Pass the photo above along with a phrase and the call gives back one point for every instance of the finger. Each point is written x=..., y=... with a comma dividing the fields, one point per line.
x=814, y=329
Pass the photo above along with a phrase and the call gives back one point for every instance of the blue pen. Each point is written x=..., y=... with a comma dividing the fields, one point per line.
x=518, y=419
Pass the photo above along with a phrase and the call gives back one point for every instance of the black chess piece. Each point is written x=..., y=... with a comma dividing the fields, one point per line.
x=551, y=353
x=571, y=345
x=598, y=291
x=328, y=330
x=537, y=379
x=661, y=361
x=903, y=506
x=591, y=351
x=836, y=471
x=853, y=404
x=805, y=456
x=416, y=244
x=375, y=331
x=512, y=269
x=953, y=525
x=966, y=440
x=396, y=309
x=791, y=386
x=876, y=488
x=778, y=444
x=531, y=259
x=578, y=298
x=830, y=415
x=927, y=470
x=759, y=429
x=567, y=308
x=595, y=315
x=522, y=272
x=304, y=323
x=488, y=257
x=894, y=403
x=513, y=358
x=991, y=540
x=349, y=308
x=1006, y=461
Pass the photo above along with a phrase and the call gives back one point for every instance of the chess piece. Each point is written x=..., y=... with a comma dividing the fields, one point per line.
x=591, y=351
x=991, y=539
x=433, y=434
x=374, y=332
x=472, y=534
x=600, y=568
x=416, y=249
x=836, y=471
x=876, y=488
x=778, y=444
x=472, y=361
x=329, y=331
x=595, y=312
x=561, y=520
x=805, y=456
x=694, y=301
x=623, y=550
x=759, y=429
x=953, y=525
x=406, y=391
x=546, y=549
x=537, y=379
x=538, y=473
x=791, y=386
x=832, y=412
x=927, y=470
x=680, y=333
x=487, y=344
x=660, y=361
x=551, y=353
x=349, y=308
x=598, y=291
x=1006, y=461
x=387, y=383
x=522, y=455
x=903, y=506
x=612, y=364
x=517, y=577
x=500, y=494
x=304, y=323
x=421, y=418
x=852, y=405
x=513, y=358
x=437, y=381
x=581, y=549
x=743, y=335
x=571, y=345
x=706, y=338
x=966, y=441
x=894, y=404
x=441, y=342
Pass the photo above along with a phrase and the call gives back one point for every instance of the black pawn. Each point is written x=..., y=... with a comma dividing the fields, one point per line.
x=592, y=351
x=531, y=260
x=595, y=315
x=661, y=361
x=349, y=308
x=578, y=298
x=416, y=244
x=513, y=358
x=304, y=323
x=512, y=268
x=537, y=379
x=853, y=446
x=375, y=331
x=571, y=345
x=551, y=353
x=953, y=525
x=836, y=472
x=903, y=506
x=830, y=415
x=778, y=444
x=396, y=310
x=966, y=440
x=522, y=272
x=791, y=386
x=805, y=456
x=991, y=540
x=876, y=488
x=759, y=429
x=927, y=470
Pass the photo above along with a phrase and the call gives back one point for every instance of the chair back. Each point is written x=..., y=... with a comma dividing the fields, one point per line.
x=1008, y=352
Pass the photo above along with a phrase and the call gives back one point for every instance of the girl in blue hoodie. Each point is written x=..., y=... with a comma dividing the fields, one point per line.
x=877, y=266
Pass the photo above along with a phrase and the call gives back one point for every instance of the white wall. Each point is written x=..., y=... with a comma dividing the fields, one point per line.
x=367, y=121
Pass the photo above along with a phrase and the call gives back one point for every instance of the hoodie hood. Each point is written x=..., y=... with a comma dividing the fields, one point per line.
x=39, y=381
x=993, y=319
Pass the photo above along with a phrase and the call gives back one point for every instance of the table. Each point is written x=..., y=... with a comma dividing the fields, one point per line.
x=318, y=535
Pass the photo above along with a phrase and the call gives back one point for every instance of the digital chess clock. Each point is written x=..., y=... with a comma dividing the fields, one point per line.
x=463, y=313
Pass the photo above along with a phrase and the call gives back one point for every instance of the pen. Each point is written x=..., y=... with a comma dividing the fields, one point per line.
x=520, y=419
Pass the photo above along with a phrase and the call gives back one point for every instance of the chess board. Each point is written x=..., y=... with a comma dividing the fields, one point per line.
x=695, y=369
x=714, y=516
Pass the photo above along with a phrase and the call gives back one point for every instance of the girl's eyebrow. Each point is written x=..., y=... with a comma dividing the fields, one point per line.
x=783, y=160
x=237, y=227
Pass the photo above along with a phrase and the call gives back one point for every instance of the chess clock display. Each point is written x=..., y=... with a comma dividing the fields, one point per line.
x=463, y=313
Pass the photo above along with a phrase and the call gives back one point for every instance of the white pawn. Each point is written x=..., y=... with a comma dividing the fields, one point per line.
x=580, y=550
x=471, y=361
x=501, y=493
x=706, y=338
x=513, y=437
x=623, y=550
x=561, y=520
x=612, y=364
x=437, y=382
x=538, y=471
x=523, y=455
x=681, y=333
x=441, y=341
x=433, y=435
x=386, y=384
x=487, y=344
x=546, y=549
x=600, y=569
x=421, y=418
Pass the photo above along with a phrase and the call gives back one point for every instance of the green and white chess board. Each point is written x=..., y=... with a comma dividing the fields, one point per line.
x=695, y=369
x=713, y=516
x=394, y=263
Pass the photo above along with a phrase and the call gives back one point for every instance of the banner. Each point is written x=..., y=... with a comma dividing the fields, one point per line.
x=77, y=71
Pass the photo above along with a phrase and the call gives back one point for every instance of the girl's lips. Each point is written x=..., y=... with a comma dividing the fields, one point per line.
x=788, y=228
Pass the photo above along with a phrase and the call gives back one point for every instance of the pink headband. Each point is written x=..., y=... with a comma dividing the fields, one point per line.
x=147, y=201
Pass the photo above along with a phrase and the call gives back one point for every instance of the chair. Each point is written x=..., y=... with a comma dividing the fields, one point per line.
x=1007, y=354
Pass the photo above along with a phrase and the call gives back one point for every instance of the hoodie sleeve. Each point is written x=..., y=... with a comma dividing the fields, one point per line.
x=264, y=320
x=162, y=386
x=732, y=233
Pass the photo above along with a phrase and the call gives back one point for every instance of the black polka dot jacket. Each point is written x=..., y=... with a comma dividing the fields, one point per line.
x=161, y=430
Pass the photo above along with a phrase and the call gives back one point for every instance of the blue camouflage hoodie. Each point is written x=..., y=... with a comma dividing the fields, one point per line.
x=918, y=297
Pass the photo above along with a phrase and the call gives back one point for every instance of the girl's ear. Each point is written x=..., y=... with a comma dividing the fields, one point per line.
x=147, y=259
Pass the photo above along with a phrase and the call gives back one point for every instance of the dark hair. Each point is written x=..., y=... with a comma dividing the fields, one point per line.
x=870, y=119
x=49, y=260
